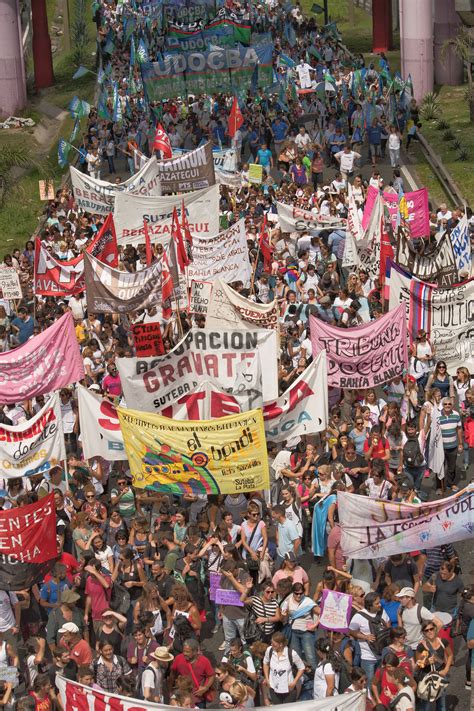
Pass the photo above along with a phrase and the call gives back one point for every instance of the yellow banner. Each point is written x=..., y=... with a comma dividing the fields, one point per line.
x=222, y=456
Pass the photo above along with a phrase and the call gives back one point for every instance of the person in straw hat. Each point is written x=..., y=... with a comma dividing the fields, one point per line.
x=154, y=674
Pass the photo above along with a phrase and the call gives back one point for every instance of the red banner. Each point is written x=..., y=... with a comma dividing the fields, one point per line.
x=148, y=340
x=27, y=543
x=66, y=278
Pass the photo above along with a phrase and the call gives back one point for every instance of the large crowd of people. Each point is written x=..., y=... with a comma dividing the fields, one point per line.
x=126, y=608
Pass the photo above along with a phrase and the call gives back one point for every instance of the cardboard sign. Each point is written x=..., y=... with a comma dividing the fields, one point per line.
x=148, y=340
x=46, y=189
x=255, y=173
x=10, y=287
x=199, y=297
x=214, y=580
x=228, y=597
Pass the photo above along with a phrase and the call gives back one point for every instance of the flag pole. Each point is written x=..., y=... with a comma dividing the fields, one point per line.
x=178, y=317
x=252, y=281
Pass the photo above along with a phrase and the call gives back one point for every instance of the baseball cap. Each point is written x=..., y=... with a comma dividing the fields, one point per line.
x=406, y=592
x=68, y=627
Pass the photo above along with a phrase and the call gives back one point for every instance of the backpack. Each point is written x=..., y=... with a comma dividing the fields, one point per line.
x=381, y=632
x=344, y=673
x=120, y=599
x=412, y=456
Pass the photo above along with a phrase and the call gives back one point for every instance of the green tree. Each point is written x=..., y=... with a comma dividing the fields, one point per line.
x=462, y=45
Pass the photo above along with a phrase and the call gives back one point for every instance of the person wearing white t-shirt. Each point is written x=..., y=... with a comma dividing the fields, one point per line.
x=411, y=615
x=278, y=665
x=304, y=71
x=346, y=159
x=303, y=139
x=404, y=699
x=360, y=629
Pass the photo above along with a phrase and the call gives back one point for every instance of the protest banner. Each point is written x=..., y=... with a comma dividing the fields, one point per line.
x=33, y=446
x=336, y=610
x=255, y=173
x=445, y=315
x=354, y=224
x=228, y=597
x=228, y=309
x=76, y=697
x=151, y=384
x=295, y=219
x=47, y=362
x=113, y=291
x=28, y=547
x=101, y=435
x=225, y=160
x=147, y=339
x=130, y=212
x=199, y=296
x=461, y=241
x=97, y=196
x=417, y=208
x=369, y=249
x=227, y=455
x=232, y=180
x=225, y=256
x=438, y=266
x=10, y=287
x=193, y=170
x=54, y=277
x=214, y=580
x=210, y=71
x=350, y=257
x=303, y=407
x=46, y=189
x=364, y=356
x=372, y=528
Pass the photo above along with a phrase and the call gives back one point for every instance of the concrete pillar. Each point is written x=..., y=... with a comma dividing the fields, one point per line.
x=12, y=72
x=416, y=44
x=446, y=23
x=381, y=25
x=42, y=55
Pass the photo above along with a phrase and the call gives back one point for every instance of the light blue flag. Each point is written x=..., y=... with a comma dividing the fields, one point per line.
x=81, y=72
x=142, y=52
x=63, y=151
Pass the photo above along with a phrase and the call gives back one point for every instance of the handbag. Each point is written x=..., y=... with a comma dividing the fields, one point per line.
x=431, y=686
x=250, y=562
x=252, y=631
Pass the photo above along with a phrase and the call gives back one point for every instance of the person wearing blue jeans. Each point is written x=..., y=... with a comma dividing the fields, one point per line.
x=299, y=612
x=360, y=629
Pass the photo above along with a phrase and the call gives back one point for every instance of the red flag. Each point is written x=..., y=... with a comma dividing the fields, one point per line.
x=149, y=250
x=166, y=287
x=185, y=225
x=162, y=142
x=181, y=254
x=235, y=119
x=104, y=246
x=265, y=246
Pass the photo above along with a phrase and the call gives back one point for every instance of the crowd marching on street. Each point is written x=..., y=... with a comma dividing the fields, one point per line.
x=237, y=245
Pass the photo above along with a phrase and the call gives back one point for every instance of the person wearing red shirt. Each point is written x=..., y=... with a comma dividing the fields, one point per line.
x=72, y=566
x=98, y=592
x=79, y=649
x=194, y=665
x=376, y=447
x=111, y=384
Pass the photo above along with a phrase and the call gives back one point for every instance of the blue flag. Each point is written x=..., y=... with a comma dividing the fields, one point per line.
x=63, y=151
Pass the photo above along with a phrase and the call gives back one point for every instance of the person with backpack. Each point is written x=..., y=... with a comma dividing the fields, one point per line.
x=411, y=616
x=153, y=676
x=371, y=626
x=413, y=460
x=433, y=655
x=327, y=672
x=282, y=669
x=404, y=700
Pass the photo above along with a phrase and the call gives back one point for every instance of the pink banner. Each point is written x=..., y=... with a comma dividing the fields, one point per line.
x=417, y=204
x=364, y=356
x=45, y=363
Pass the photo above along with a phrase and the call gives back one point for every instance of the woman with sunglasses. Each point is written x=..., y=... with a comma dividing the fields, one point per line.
x=254, y=537
x=359, y=434
x=441, y=379
x=301, y=617
x=96, y=512
x=399, y=647
x=433, y=652
x=355, y=465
